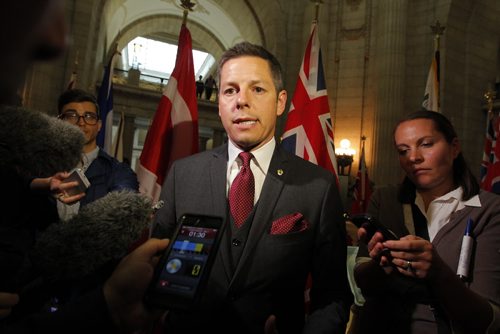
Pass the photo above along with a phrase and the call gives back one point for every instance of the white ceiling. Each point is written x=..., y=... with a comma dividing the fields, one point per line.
x=119, y=14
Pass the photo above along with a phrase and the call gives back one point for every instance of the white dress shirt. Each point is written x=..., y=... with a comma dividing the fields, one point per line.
x=439, y=211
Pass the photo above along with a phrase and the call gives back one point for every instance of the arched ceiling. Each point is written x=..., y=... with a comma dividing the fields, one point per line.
x=212, y=27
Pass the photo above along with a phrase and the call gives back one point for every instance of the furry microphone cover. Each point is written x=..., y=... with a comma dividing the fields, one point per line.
x=37, y=145
x=102, y=231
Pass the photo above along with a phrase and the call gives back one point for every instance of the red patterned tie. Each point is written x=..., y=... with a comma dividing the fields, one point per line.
x=242, y=191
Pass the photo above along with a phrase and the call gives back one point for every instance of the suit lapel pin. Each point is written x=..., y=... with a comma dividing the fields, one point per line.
x=279, y=172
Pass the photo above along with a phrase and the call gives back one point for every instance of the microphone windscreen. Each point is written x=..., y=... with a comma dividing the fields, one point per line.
x=36, y=144
x=102, y=231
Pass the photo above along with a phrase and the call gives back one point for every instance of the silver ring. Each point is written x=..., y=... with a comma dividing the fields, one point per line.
x=408, y=266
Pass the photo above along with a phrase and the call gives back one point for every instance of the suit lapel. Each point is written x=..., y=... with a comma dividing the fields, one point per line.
x=218, y=174
x=218, y=170
x=271, y=190
x=455, y=217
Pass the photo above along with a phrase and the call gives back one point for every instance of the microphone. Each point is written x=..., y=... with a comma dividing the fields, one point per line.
x=102, y=231
x=36, y=144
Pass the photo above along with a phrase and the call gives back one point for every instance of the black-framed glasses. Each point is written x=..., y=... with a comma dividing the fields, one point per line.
x=72, y=117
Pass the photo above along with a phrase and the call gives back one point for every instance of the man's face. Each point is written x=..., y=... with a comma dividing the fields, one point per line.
x=248, y=102
x=88, y=110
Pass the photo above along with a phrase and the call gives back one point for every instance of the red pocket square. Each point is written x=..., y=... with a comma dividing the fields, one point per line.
x=294, y=222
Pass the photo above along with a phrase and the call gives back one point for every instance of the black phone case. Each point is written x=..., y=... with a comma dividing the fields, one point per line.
x=83, y=183
x=372, y=225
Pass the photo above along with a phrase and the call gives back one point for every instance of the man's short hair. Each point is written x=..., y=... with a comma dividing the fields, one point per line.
x=76, y=95
x=248, y=49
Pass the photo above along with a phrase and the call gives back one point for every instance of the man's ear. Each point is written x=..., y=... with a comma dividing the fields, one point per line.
x=282, y=96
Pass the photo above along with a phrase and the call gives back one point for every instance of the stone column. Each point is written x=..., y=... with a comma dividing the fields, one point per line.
x=128, y=137
x=389, y=83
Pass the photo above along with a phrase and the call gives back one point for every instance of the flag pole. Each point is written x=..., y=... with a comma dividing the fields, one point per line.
x=75, y=64
x=487, y=172
x=173, y=133
x=74, y=74
x=316, y=14
x=437, y=30
x=188, y=7
x=490, y=96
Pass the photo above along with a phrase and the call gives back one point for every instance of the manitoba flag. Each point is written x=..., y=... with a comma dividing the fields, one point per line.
x=490, y=166
x=308, y=130
x=174, y=131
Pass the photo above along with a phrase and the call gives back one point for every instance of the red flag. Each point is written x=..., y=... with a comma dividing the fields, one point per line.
x=174, y=131
x=308, y=129
x=362, y=187
x=490, y=166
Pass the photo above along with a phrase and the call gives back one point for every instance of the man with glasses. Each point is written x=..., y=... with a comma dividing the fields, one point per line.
x=104, y=172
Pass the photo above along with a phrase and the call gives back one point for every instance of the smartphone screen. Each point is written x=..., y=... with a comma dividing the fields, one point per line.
x=184, y=269
x=83, y=183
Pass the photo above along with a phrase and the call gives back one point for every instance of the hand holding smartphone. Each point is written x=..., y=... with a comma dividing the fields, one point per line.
x=372, y=225
x=83, y=183
x=184, y=268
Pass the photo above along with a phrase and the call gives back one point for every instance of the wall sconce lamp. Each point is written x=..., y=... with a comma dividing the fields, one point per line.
x=344, y=156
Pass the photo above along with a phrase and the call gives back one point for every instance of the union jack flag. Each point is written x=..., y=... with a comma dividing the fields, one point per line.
x=308, y=130
x=490, y=166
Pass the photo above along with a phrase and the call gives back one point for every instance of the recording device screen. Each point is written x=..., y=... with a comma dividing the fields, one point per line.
x=184, y=268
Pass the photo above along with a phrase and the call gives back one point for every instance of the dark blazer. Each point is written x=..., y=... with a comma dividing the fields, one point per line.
x=106, y=174
x=271, y=274
x=403, y=302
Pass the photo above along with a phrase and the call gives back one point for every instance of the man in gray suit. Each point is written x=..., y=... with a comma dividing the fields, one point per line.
x=295, y=227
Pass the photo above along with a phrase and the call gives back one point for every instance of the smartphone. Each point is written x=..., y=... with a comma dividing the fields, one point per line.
x=83, y=183
x=184, y=268
x=372, y=225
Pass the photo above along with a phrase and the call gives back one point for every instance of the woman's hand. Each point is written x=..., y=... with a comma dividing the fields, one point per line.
x=414, y=257
x=376, y=249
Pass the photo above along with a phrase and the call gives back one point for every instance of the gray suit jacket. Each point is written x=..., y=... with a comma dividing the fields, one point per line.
x=271, y=274
x=403, y=306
